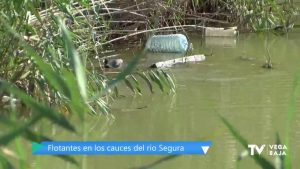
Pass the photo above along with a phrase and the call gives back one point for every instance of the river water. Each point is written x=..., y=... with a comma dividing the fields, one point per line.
x=230, y=83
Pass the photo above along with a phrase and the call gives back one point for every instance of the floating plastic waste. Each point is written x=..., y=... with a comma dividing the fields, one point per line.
x=170, y=63
x=212, y=31
x=151, y=57
x=175, y=43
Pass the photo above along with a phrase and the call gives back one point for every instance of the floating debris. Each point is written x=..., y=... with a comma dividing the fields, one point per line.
x=213, y=31
x=174, y=43
x=170, y=63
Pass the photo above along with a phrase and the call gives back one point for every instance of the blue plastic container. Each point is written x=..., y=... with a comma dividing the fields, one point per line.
x=175, y=43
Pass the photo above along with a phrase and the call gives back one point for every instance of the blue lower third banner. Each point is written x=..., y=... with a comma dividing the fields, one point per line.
x=120, y=147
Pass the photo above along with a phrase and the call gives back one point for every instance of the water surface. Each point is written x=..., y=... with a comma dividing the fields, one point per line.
x=231, y=83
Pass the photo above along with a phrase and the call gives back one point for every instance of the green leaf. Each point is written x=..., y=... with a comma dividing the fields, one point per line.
x=39, y=138
x=235, y=133
x=53, y=78
x=279, y=160
x=75, y=60
x=170, y=81
x=264, y=163
x=102, y=105
x=77, y=104
x=4, y=163
x=130, y=86
x=137, y=85
x=29, y=135
x=156, y=79
x=163, y=79
x=11, y=135
x=147, y=80
x=37, y=107
x=291, y=116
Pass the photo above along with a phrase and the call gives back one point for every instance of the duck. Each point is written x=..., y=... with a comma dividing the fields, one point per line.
x=113, y=63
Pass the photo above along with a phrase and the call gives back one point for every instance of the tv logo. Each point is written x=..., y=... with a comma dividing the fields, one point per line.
x=258, y=149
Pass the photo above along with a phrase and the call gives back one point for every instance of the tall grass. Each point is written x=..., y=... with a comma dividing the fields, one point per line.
x=47, y=70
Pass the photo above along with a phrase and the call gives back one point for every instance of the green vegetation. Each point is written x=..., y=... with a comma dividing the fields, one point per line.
x=48, y=73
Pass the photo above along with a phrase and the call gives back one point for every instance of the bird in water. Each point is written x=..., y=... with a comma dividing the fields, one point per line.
x=113, y=63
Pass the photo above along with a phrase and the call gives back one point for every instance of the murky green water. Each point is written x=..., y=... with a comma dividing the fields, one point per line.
x=231, y=83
